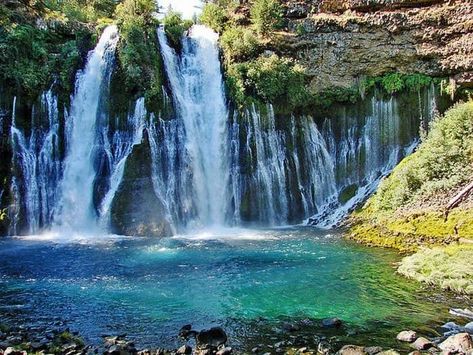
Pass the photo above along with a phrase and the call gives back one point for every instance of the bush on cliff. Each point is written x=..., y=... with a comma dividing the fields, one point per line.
x=138, y=55
x=175, y=27
x=266, y=15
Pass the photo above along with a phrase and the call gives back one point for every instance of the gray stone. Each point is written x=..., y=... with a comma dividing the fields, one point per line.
x=459, y=343
x=352, y=350
x=407, y=336
x=422, y=344
x=469, y=327
x=389, y=352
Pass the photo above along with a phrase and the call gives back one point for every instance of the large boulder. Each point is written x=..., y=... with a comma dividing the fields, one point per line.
x=457, y=344
x=407, y=336
x=211, y=338
x=136, y=210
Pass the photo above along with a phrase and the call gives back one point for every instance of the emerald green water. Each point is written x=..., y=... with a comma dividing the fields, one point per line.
x=248, y=281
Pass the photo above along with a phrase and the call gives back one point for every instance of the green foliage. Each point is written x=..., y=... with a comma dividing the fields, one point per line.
x=330, y=96
x=213, y=16
x=175, y=27
x=140, y=66
x=392, y=83
x=266, y=15
x=277, y=80
x=239, y=43
x=442, y=162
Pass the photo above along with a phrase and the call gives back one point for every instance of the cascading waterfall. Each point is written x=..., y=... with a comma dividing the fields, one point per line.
x=37, y=160
x=278, y=175
x=209, y=167
x=117, y=152
x=197, y=87
x=365, y=151
x=75, y=210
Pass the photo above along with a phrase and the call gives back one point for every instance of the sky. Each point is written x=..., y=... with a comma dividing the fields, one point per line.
x=186, y=7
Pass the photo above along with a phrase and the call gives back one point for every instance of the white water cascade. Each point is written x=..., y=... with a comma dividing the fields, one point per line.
x=37, y=160
x=75, y=210
x=197, y=87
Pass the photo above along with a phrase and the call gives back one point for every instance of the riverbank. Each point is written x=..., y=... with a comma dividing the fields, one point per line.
x=426, y=206
x=450, y=338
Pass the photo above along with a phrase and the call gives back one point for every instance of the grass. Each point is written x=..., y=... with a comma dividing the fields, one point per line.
x=449, y=267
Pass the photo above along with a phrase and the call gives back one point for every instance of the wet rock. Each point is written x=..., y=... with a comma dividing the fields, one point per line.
x=13, y=351
x=214, y=337
x=331, y=323
x=303, y=350
x=388, y=352
x=289, y=327
x=460, y=343
x=465, y=313
x=415, y=353
x=324, y=348
x=255, y=350
x=224, y=351
x=372, y=350
x=469, y=327
x=422, y=344
x=184, y=350
x=352, y=350
x=407, y=336
x=186, y=332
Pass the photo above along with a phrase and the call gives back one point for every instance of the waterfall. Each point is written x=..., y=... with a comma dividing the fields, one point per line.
x=76, y=209
x=117, y=152
x=197, y=87
x=278, y=174
x=36, y=159
x=365, y=150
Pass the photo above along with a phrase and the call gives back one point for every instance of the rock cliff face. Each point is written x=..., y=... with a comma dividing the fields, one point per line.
x=136, y=209
x=341, y=41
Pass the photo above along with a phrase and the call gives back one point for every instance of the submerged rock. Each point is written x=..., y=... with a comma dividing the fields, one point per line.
x=407, y=336
x=332, y=323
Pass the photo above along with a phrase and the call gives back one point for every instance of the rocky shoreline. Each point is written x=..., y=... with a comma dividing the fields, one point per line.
x=56, y=339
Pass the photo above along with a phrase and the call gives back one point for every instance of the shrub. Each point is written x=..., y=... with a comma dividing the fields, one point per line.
x=239, y=43
x=174, y=27
x=392, y=83
x=213, y=16
x=266, y=15
x=138, y=54
x=277, y=80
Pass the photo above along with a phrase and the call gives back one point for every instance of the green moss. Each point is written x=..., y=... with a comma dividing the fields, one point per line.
x=449, y=267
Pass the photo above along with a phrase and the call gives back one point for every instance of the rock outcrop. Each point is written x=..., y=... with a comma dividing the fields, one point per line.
x=339, y=42
x=136, y=210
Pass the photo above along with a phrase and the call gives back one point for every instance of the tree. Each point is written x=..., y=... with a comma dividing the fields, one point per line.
x=266, y=15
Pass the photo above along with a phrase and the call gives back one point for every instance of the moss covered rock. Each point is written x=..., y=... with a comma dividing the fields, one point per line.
x=136, y=210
